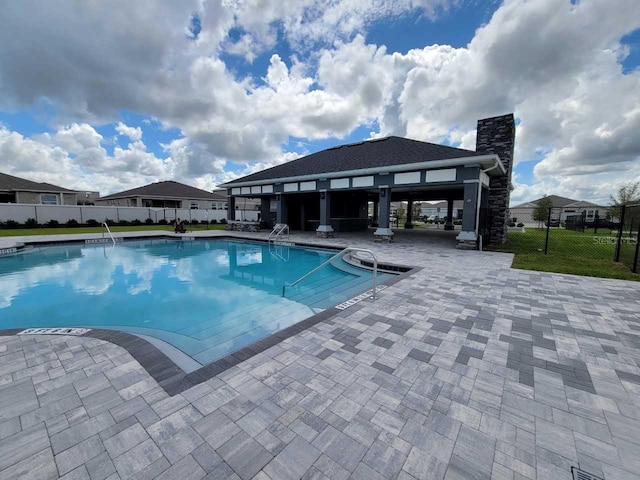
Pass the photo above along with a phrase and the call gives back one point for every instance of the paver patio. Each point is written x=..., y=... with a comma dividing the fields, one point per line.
x=464, y=369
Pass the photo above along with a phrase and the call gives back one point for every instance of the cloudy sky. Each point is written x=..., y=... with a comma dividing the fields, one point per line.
x=110, y=95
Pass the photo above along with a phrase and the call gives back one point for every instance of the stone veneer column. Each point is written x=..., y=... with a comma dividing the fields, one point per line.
x=497, y=135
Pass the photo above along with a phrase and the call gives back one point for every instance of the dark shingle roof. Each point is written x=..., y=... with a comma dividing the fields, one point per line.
x=556, y=201
x=11, y=183
x=383, y=152
x=168, y=189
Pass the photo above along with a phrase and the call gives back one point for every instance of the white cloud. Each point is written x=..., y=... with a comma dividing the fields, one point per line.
x=554, y=63
x=134, y=133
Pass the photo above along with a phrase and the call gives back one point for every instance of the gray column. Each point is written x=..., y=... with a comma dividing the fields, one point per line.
x=231, y=208
x=408, y=223
x=325, y=229
x=265, y=212
x=385, y=207
x=281, y=213
x=374, y=220
x=449, y=224
x=469, y=212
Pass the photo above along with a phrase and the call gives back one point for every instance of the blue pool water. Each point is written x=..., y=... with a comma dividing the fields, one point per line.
x=208, y=298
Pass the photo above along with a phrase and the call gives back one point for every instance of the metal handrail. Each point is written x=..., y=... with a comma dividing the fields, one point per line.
x=337, y=255
x=110, y=234
x=278, y=229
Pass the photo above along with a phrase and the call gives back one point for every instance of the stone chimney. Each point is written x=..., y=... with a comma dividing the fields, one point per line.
x=497, y=135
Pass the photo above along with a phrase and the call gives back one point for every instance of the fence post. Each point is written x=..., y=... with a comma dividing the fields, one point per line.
x=35, y=209
x=620, y=231
x=546, y=241
x=597, y=219
x=634, y=268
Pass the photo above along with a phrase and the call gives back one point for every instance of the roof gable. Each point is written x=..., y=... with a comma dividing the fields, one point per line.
x=11, y=183
x=168, y=189
x=378, y=153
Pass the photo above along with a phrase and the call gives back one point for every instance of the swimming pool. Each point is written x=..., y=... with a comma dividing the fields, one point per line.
x=207, y=298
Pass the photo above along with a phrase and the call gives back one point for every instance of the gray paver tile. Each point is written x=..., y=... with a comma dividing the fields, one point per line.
x=79, y=454
x=22, y=445
x=137, y=459
x=294, y=461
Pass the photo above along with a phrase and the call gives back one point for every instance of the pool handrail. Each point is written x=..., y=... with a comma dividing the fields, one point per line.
x=279, y=229
x=104, y=224
x=337, y=255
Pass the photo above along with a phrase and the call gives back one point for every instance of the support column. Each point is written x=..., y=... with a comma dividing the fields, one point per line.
x=282, y=215
x=449, y=224
x=467, y=238
x=374, y=220
x=265, y=212
x=325, y=230
x=408, y=223
x=231, y=208
x=384, y=233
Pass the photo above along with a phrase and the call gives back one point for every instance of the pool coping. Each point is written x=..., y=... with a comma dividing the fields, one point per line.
x=169, y=375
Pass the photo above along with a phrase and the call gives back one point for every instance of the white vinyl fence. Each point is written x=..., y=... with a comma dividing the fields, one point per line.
x=81, y=213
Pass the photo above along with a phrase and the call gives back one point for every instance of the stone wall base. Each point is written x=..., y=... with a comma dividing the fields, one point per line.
x=324, y=234
x=467, y=245
x=384, y=238
x=236, y=226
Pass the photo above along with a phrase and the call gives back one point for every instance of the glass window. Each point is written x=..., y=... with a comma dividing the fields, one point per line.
x=49, y=199
x=194, y=204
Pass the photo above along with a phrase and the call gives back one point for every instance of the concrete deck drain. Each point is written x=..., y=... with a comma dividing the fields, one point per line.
x=582, y=475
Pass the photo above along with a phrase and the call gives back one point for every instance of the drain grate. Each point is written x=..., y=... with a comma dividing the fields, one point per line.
x=582, y=475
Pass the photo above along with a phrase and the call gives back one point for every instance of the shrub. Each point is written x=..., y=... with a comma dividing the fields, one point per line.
x=109, y=222
x=521, y=224
x=92, y=222
x=148, y=221
x=31, y=223
x=123, y=223
x=214, y=221
x=223, y=221
x=136, y=222
x=72, y=222
x=11, y=224
x=162, y=221
x=511, y=223
x=53, y=223
x=457, y=222
x=195, y=222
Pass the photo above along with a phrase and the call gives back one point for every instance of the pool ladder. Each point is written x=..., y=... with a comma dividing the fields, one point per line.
x=104, y=224
x=279, y=229
x=336, y=256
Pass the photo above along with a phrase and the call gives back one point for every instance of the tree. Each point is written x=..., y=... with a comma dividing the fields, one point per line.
x=627, y=193
x=541, y=212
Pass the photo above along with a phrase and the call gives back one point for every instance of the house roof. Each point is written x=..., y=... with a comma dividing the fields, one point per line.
x=558, y=202
x=167, y=189
x=11, y=183
x=378, y=153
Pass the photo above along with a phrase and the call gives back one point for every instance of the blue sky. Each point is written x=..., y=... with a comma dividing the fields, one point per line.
x=202, y=92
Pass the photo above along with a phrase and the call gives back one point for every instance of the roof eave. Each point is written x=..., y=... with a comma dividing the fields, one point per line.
x=483, y=160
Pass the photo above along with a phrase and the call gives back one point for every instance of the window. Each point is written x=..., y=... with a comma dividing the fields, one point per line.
x=591, y=213
x=195, y=205
x=148, y=203
x=49, y=199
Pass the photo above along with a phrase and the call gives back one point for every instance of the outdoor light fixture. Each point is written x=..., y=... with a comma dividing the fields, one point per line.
x=322, y=195
x=383, y=192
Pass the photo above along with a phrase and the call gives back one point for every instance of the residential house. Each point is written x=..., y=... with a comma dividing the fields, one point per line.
x=20, y=190
x=562, y=208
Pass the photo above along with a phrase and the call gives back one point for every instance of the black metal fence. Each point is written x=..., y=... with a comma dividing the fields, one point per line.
x=589, y=232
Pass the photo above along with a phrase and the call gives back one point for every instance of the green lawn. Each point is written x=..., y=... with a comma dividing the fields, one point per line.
x=15, y=232
x=577, y=253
